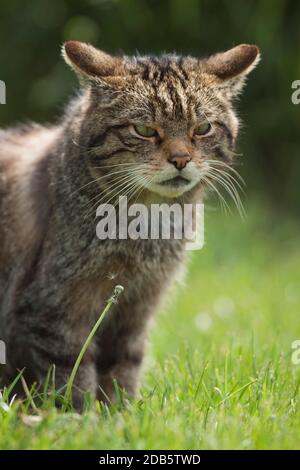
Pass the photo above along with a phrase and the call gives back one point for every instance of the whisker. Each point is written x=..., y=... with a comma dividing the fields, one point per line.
x=79, y=145
x=231, y=189
x=145, y=181
x=231, y=152
x=130, y=180
x=124, y=170
x=119, y=164
x=121, y=191
x=227, y=175
x=99, y=197
x=230, y=168
x=221, y=197
x=133, y=187
x=114, y=183
x=230, y=179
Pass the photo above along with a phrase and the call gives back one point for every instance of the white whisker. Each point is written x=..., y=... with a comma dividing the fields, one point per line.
x=228, y=182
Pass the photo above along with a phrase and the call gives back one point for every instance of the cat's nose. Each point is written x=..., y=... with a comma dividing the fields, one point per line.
x=180, y=159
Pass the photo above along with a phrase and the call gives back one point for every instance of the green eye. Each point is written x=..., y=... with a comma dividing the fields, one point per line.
x=145, y=131
x=202, y=129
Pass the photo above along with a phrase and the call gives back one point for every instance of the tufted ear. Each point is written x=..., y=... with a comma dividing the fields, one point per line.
x=91, y=63
x=232, y=67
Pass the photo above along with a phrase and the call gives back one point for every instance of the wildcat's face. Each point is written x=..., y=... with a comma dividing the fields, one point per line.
x=162, y=124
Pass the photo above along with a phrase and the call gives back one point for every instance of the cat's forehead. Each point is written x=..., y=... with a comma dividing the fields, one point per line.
x=174, y=86
x=166, y=88
x=162, y=68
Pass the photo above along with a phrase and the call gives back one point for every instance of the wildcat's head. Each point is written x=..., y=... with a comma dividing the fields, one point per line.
x=165, y=124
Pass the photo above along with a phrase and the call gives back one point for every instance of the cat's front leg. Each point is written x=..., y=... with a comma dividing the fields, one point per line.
x=121, y=343
x=122, y=373
x=36, y=349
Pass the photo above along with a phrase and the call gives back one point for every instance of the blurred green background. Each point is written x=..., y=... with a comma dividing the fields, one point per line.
x=39, y=83
x=239, y=309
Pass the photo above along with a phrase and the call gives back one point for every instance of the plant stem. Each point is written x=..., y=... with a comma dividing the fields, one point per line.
x=112, y=300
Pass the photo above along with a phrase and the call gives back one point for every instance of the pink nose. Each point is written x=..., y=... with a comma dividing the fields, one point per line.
x=179, y=160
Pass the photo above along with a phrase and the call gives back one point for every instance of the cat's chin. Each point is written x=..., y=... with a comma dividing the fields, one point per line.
x=172, y=189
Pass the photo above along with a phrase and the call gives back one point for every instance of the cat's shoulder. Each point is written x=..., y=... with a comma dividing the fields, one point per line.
x=24, y=138
x=24, y=182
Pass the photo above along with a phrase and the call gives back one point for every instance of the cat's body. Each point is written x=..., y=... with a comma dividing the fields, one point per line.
x=55, y=274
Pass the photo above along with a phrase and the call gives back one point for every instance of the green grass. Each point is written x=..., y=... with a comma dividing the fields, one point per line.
x=218, y=372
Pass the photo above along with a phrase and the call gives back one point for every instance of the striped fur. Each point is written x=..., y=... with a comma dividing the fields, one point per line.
x=55, y=275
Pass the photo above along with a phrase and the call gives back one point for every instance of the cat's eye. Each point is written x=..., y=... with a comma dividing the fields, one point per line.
x=145, y=131
x=202, y=129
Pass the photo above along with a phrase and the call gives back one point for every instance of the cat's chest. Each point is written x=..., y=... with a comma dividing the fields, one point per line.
x=97, y=266
x=143, y=274
x=134, y=257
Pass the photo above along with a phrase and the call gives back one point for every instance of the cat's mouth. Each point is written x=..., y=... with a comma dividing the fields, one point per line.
x=175, y=185
x=176, y=182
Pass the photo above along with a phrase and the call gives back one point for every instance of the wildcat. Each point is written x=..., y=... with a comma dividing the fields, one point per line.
x=164, y=126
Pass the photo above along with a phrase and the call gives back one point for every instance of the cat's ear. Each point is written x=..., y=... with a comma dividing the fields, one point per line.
x=232, y=67
x=91, y=63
